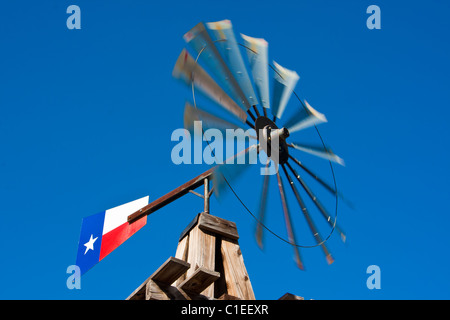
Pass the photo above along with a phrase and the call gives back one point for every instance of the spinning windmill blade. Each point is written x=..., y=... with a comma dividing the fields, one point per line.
x=185, y=69
x=201, y=42
x=318, y=151
x=305, y=118
x=209, y=121
x=217, y=48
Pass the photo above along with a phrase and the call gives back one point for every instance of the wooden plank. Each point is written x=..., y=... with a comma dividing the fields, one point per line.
x=236, y=277
x=182, y=253
x=160, y=291
x=198, y=281
x=182, y=249
x=290, y=296
x=201, y=254
x=218, y=225
x=170, y=271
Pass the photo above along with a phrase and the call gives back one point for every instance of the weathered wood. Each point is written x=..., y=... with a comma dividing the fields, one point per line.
x=167, y=273
x=182, y=253
x=220, y=285
x=209, y=245
x=170, y=271
x=182, y=249
x=219, y=226
x=159, y=291
x=201, y=254
x=290, y=296
x=236, y=277
x=199, y=280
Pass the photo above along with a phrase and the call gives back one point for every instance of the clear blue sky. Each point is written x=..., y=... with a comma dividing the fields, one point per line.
x=86, y=119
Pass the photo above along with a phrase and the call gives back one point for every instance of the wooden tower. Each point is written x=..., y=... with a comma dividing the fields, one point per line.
x=208, y=262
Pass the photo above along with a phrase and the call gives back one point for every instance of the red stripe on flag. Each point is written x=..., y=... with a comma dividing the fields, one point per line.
x=117, y=236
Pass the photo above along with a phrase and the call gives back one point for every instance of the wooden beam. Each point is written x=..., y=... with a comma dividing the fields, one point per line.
x=201, y=253
x=236, y=277
x=171, y=196
x=198, y=281
x=170, y=270
x=167, y=273
x=218, y=225
x=159, y=291
x=182, y=253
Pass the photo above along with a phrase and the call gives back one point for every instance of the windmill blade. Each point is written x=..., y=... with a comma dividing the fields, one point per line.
x=200, y=41
x=262, y=209
x=257, y=53
x=316, y=201
x=322, y=182
x=233, y=167
x=188, y=71
x=287, y=220
x=223, y=30
x=284, y=83
x=209, y=121
x=318, y=151
x=310, y=222
x=306, y=117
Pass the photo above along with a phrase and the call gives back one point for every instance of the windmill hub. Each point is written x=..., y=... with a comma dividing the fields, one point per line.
x=266, y=131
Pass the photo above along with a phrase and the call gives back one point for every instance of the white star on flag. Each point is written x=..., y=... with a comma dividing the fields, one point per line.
x=90, y=244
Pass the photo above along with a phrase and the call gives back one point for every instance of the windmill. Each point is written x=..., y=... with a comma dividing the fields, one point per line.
x=239, y=88
x=245, y=96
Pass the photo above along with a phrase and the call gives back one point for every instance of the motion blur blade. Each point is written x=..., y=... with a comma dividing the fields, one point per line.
x=316, y=201
x=209, y=121
x=287, y=220
x=187, y=70
x=257, y=52
x=311, y=225
x=223, y=30
x=200, y=41
x=262, y=209
x=233, y=167
x=318, y=151
x=305, y=117
x=322, y=182
x=284, y=84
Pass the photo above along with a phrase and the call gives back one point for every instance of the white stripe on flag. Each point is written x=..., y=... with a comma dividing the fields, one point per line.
x=117, y=216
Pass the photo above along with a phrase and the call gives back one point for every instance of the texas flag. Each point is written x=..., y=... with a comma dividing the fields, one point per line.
x=103, y=232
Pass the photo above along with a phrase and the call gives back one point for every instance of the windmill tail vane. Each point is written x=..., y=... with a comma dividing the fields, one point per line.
x=238, y=86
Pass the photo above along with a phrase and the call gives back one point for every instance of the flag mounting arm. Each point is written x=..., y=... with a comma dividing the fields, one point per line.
x=202, y=179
